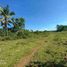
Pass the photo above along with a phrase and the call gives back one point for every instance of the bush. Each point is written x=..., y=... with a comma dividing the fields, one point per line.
x=23, y=34
x=14, y=35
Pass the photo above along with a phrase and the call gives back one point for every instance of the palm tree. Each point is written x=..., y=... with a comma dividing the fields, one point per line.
x=18, y=23
x=5, y=14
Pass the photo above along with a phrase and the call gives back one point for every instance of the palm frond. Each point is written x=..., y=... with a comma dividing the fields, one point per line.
x=12, y=13
x=1, y=19
x=6, y=10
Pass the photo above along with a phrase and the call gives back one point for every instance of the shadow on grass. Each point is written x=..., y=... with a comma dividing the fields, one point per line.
x=46, y=64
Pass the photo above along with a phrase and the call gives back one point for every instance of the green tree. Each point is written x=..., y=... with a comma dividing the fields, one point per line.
x=18, y=23
x=60, y=28
x=5, y=15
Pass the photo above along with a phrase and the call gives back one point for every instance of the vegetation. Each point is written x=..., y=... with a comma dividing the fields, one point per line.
x=53, y=52
x=20, y=43
x=5, y=16
x=61, y=28
x=8, y=23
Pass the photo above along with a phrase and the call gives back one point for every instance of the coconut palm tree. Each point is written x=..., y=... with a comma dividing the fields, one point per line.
x=5, y=14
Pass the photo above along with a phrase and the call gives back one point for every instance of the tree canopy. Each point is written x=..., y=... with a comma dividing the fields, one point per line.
x=6, y=19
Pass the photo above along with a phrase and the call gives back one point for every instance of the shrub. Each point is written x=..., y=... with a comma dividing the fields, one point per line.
x=23, y=34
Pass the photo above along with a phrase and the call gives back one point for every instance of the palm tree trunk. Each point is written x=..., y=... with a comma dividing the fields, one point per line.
x=5, y=27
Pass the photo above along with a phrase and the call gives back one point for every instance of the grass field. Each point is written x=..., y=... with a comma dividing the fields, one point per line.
x=54, y=54
x=53, y=49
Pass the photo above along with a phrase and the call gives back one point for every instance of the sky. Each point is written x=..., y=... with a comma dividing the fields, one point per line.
x=39, y=14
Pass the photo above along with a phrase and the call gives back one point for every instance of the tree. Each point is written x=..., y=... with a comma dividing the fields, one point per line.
x=18, y=23
x=60, y=28
x=5, y=14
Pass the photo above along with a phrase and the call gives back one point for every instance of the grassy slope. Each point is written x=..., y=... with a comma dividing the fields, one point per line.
x=12, y=51
x=54, y=51
x=53, y=48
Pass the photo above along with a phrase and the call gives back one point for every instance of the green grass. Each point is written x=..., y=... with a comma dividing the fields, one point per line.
x=12, y=51
x=53, y=50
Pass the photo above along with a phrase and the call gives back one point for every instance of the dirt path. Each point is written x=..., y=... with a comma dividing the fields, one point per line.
x=25, y=60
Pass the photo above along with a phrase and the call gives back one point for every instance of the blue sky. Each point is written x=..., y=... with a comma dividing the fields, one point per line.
x=39, y=14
